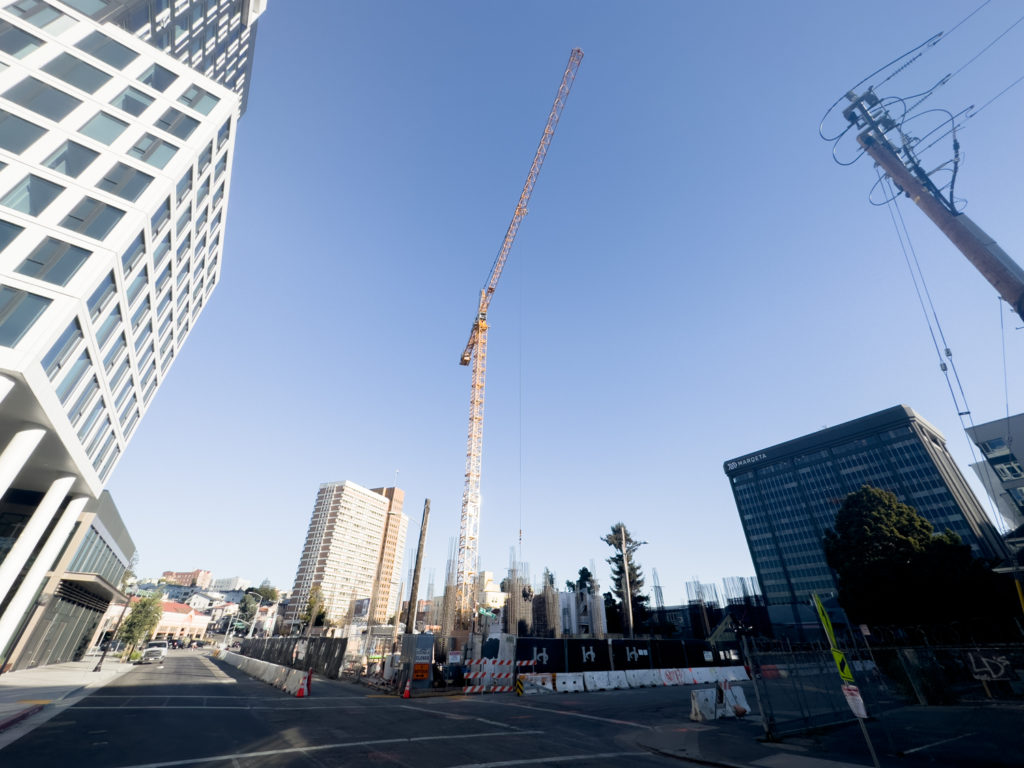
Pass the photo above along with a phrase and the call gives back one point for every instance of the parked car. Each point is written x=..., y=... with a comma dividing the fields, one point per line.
x=156, y=650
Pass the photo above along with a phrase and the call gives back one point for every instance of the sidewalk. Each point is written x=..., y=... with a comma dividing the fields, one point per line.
x=30, y=697
x=983, y=735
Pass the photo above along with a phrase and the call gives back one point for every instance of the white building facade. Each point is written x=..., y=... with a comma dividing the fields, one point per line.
x=355, y=539
x=115, y=167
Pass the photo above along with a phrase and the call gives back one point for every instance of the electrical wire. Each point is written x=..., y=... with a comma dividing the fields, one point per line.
x=917, y=276
x=1006, y=380
x=980, y=53
x=914, y=53
x=1015, y=82
x=927, y=43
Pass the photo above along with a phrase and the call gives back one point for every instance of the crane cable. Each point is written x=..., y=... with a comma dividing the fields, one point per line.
x=917, y=276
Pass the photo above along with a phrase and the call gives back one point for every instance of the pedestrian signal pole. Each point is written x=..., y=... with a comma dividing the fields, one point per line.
x=850, y=691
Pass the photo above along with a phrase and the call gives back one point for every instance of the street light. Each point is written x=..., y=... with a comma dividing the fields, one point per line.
x=252, y=624
x=113, y=635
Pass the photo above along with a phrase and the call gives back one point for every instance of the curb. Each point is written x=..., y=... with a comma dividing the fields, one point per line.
x=17, y=718
x=691, y=758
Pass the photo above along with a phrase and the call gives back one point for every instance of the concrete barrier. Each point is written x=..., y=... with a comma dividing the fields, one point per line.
x=673, y=677
x=569, y=682
x=702, y=675
x=721, y=701
x=291, y=681
x=702, y=704
x=596, y=681
x=643, y=678
x=736, y=673
x=538, y=682
x=617, y=680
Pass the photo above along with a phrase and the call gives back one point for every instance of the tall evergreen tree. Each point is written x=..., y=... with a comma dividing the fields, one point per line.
x=620, y=565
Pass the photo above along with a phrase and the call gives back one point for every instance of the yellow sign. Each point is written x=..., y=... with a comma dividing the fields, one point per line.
x=838, y=656
x=843, y=666
x=826, y=622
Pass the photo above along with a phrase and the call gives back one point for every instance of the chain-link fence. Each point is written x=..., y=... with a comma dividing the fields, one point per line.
x=955, y=674
x=799, y=690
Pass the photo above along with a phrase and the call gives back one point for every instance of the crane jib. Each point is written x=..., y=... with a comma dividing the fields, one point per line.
x=461, y=609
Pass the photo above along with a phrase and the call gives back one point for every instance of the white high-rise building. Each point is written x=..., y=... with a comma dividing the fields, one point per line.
x=115, y=168
x=355, y=540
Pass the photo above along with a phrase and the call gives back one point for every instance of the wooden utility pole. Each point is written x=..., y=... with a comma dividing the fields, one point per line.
x=410, y=614
x=625, y=583
x=994, y=264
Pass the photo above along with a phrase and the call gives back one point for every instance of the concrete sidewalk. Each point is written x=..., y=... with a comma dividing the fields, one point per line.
x=30, y=697
x=987, y=735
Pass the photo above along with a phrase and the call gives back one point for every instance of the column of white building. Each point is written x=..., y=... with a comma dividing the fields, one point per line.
x=115, y=164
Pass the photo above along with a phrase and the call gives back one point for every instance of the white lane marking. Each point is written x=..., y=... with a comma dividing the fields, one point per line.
x=936, y=743
x=283, y=706
x=553, y=758
x=322, y=747
x=545, y=710
x=225, y=696
x=460, y=717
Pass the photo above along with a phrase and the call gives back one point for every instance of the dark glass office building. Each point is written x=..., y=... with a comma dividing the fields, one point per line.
x=788, y=496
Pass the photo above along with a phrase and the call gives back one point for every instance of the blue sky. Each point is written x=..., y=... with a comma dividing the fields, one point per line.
x=696, y=278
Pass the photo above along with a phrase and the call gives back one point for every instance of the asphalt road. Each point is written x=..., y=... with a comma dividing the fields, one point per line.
x=191, y=711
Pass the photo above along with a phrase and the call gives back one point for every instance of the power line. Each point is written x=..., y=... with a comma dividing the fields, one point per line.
x=916, y=275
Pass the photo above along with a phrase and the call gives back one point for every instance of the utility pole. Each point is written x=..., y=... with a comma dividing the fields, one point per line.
x=113, y=635
x=625, y=583
x=995, y=265
x=410, y=614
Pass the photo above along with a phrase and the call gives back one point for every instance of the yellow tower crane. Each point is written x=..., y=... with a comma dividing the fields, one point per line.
x=475, y=354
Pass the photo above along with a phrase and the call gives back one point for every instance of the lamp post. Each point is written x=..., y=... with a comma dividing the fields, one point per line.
x=252, y=624
x=113, y=635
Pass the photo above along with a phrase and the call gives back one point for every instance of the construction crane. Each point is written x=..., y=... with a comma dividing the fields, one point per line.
x=475, y=355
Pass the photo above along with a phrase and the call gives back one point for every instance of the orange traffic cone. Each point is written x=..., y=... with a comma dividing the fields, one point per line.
x=406, y=694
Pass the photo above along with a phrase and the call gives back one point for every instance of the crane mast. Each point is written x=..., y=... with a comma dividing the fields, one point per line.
x=475, y=356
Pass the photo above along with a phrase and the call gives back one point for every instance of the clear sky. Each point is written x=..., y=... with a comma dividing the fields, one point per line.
x=696, y=278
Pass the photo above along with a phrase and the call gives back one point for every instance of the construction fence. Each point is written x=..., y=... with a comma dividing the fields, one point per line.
x=324, y=655
x=800, y=690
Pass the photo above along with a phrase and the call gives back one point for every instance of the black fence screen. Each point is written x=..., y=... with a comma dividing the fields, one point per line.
x=324, y=655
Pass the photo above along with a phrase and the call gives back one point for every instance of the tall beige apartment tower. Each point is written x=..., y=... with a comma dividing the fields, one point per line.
x=353, y=552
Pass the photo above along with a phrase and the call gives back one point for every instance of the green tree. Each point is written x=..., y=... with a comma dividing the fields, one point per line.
x=142, y=618
x=267, y=592
x=585, y=580
x=313, y=614
x=248, y=607
x=893, y=569
x=621, y=565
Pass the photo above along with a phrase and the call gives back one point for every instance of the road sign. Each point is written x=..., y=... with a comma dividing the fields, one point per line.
x=852, y=694
x=843, y=666
x=838, y=656
x=826, y=622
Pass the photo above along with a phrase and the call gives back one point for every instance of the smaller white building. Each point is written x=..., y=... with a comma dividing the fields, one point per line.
x=231, y=584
